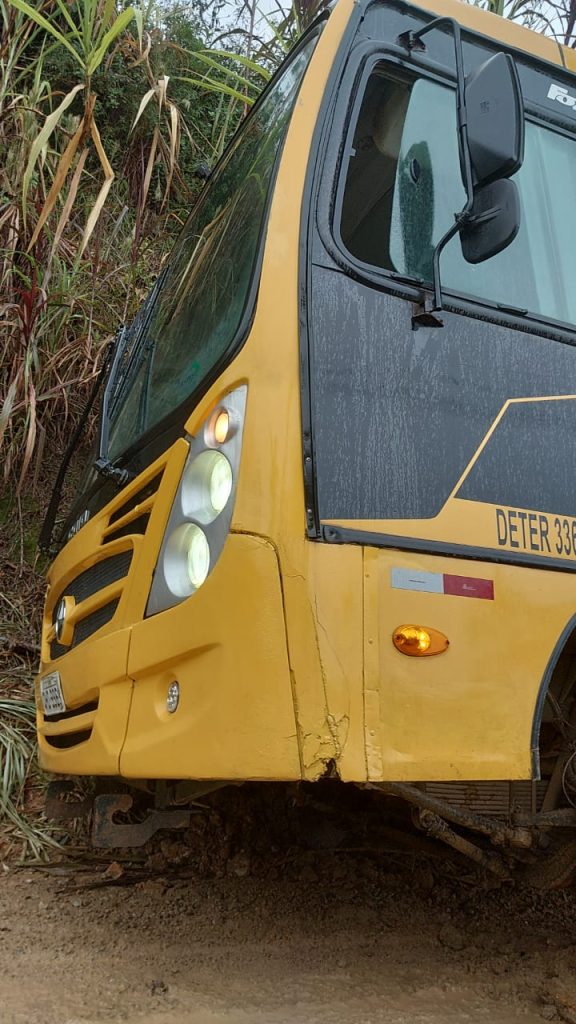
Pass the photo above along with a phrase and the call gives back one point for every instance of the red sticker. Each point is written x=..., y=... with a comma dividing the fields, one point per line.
x=469, y=586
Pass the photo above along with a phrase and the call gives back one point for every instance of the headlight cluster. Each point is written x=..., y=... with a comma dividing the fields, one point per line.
x=201, y=514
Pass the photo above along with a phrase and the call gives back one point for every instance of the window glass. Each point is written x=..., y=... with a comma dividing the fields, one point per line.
x=403, y=186
x=201, y=299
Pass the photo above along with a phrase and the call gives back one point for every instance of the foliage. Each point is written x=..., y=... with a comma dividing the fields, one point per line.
x=556, y=18
x=17, y=746
x=105, y=117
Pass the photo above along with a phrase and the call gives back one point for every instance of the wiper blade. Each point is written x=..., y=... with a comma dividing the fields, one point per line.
x=133, y=348
x=45, y=538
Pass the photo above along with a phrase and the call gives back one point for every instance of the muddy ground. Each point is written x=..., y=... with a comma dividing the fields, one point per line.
x=277, y=923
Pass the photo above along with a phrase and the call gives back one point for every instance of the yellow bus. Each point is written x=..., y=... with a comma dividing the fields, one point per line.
x=331, y=527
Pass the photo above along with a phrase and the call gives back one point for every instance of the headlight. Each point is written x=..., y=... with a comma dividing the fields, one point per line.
x=201, y=513
x=206, y=486
x=186, y=561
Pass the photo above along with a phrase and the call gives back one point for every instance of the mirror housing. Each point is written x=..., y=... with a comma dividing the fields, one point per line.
x=495, y=116
x=494, y=221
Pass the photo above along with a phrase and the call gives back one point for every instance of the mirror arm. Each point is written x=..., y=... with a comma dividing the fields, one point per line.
x=413, y=41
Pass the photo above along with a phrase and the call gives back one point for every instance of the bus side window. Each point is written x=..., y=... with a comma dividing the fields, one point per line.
x=371, y=175
x=403, y=176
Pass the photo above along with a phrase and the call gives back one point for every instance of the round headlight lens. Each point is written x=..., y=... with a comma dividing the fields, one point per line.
x=198, y=556
x=220, y=483
x=186, y=560
x=207, y=486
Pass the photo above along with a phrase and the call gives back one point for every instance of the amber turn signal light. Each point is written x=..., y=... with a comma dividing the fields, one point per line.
x=218, y=428
x=419, y=641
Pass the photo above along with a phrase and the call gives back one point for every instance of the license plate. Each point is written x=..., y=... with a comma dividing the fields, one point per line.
x=51, y=694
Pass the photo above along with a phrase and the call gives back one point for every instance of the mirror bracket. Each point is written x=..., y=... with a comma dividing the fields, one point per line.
x=424, y=315
x=411, y=40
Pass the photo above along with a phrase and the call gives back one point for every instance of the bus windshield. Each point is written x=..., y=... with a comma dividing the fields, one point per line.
x=192, y=317
x=402, y=188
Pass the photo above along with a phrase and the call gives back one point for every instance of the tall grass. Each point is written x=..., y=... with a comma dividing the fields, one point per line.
x=79, y=238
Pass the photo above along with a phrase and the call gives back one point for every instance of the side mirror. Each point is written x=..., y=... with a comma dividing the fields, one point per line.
x=495, y=119
x=495, y=135
x=494, y=221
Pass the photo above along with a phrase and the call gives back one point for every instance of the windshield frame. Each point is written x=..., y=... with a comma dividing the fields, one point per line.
x=363, y=59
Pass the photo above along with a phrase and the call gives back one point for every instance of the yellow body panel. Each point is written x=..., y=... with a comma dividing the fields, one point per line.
x=99, y=676
x=235, y=719
x=467, y=713
x=284, y=656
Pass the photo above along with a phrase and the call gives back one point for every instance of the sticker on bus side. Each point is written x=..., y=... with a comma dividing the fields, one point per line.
x=537, y=532
x=442, y=583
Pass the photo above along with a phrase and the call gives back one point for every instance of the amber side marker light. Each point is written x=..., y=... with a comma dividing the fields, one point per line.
x=419, y=641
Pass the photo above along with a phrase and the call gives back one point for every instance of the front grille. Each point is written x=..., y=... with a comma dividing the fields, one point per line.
x=91, y=581
x=128, y=518
x=98, y=576
x=86, y=627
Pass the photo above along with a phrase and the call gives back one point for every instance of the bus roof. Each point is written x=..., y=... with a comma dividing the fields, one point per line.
x=508, y=32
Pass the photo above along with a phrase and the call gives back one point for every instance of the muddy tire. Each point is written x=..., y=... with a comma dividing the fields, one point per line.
x=556, y=869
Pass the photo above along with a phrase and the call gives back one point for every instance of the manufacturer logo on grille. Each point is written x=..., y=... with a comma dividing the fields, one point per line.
x=78, y=524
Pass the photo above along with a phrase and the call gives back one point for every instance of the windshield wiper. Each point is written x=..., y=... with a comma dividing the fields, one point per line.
x=121, y=376
x=45, y=538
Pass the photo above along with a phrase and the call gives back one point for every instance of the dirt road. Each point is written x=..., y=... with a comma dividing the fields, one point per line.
x=321, y=939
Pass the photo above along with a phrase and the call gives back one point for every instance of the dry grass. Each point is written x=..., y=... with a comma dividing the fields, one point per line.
x=23, y=832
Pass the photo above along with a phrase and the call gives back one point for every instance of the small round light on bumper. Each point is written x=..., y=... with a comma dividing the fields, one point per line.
x=172, y=698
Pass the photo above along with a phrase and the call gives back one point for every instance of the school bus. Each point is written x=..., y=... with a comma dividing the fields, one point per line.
x=330, y=530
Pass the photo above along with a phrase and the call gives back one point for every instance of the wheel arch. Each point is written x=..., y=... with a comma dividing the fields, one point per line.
x=560, y=647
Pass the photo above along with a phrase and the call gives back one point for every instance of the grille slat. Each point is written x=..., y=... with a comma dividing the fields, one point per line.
x=137, y=525
x=69, y=739
x=83, y=709
x=145, y=492
x=498, y=798
x=108, y=570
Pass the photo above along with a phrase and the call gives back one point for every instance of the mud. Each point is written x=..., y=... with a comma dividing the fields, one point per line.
x=243, y=928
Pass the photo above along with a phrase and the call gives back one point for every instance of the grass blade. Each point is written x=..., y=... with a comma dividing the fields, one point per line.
x=42, y=138
x=25, y=8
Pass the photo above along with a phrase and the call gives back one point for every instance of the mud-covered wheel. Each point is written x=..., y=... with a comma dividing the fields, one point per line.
x=555, y=870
